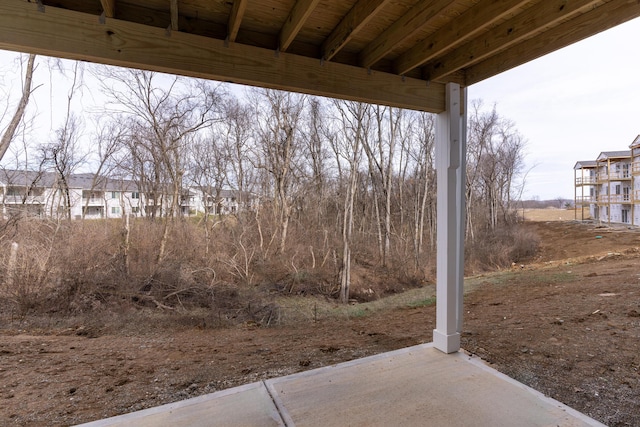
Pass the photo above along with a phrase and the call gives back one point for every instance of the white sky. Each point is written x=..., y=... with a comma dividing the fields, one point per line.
x=569, y=105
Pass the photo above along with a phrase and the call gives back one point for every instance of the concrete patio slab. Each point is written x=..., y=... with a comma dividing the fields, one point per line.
x=247, y=405
x=415, y=386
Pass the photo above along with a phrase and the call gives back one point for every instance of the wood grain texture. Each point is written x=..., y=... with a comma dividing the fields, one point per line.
x=109, y=7
x=600, y=19
x=80, y=36
x=525, y=25
x=417, y=17
x=371, y=42
x=174, y=14
x=353, y=21
x=295, y=21
x=235, y=18
x=469, y=24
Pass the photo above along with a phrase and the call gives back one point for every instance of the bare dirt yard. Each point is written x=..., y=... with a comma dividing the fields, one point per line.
x=566, y=323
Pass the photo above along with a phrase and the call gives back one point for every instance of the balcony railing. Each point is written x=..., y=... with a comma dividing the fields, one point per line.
x=585, y=199
x=93, y=201
x=18, y=200
x=623, y=174
x=619, y=198
x=586, y=180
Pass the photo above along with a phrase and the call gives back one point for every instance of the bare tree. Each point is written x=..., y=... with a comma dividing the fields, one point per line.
x=237, y=136
x=209, y=160
x=422, y=181
x=64, y=153
x=279, y=117
x=355, y=120
x=108, y=141
x=495, y=159
x=10, y=130
x=381, y=160
x=163, y=113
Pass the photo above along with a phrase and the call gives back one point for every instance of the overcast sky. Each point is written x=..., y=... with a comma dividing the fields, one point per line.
x=569, y=105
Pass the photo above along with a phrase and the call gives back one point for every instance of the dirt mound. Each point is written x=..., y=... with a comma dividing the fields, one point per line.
x=566, y=323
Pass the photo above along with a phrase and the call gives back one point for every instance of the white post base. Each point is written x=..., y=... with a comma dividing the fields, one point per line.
x=450, y=156
x=446, y=343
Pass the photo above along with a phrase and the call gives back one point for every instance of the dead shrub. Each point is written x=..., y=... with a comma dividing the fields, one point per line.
x=501, y=248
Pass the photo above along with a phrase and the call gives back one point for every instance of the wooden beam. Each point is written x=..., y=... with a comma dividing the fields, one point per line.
x=417, y=17
x=353, y=21
x=586, y=25
x=510, y=32
x=296, y=19
x=235, y=18
x=109, y=7
x=74, y=35
x=470, y=23
x=174, y=15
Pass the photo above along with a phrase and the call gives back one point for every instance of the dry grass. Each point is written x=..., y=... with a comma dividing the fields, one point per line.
x=553, y=214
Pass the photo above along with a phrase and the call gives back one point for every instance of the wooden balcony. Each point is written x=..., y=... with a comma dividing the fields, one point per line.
x=586, y=180
x=622, y=175
x=582, y=200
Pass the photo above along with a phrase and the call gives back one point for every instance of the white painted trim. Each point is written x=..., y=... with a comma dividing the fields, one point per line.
x=450, y=162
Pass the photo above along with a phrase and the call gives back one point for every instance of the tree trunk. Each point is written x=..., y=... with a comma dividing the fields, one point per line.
x=20, y=109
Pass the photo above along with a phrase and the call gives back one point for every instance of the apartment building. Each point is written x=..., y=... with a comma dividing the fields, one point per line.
x=609, y=187
x=42, y=194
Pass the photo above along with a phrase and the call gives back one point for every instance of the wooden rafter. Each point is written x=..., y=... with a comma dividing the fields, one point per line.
x=522, y=26
x=471, y=23
x=582, y=26
x=356, y=19
x=419, y=16
x=109, y=7
x=235, y=18
x=296, y=19
x=174, y=14
x=128, y=44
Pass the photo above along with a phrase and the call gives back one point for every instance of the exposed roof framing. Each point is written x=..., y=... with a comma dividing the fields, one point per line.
x=296, y=19
x=417, y=17
x=394, y=52
x=235, y=19
x=506, y=34
x=471, y=23
x=174, y=14
x=353, y=21
x=109, y=7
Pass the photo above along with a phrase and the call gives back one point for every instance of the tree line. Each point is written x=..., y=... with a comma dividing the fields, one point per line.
x=341, y=184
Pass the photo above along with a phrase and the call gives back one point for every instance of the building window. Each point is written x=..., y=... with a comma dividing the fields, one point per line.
x=115, y=194
x=115, y=210
x=135, y=195
x=135, y=209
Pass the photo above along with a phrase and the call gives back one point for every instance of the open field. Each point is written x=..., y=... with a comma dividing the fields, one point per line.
x=566, y=322
x=553, y=214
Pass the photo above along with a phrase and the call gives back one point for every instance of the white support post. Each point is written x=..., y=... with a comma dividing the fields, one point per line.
x=450, y=165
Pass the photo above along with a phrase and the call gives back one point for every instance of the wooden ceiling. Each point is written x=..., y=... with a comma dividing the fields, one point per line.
x=394, y=52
